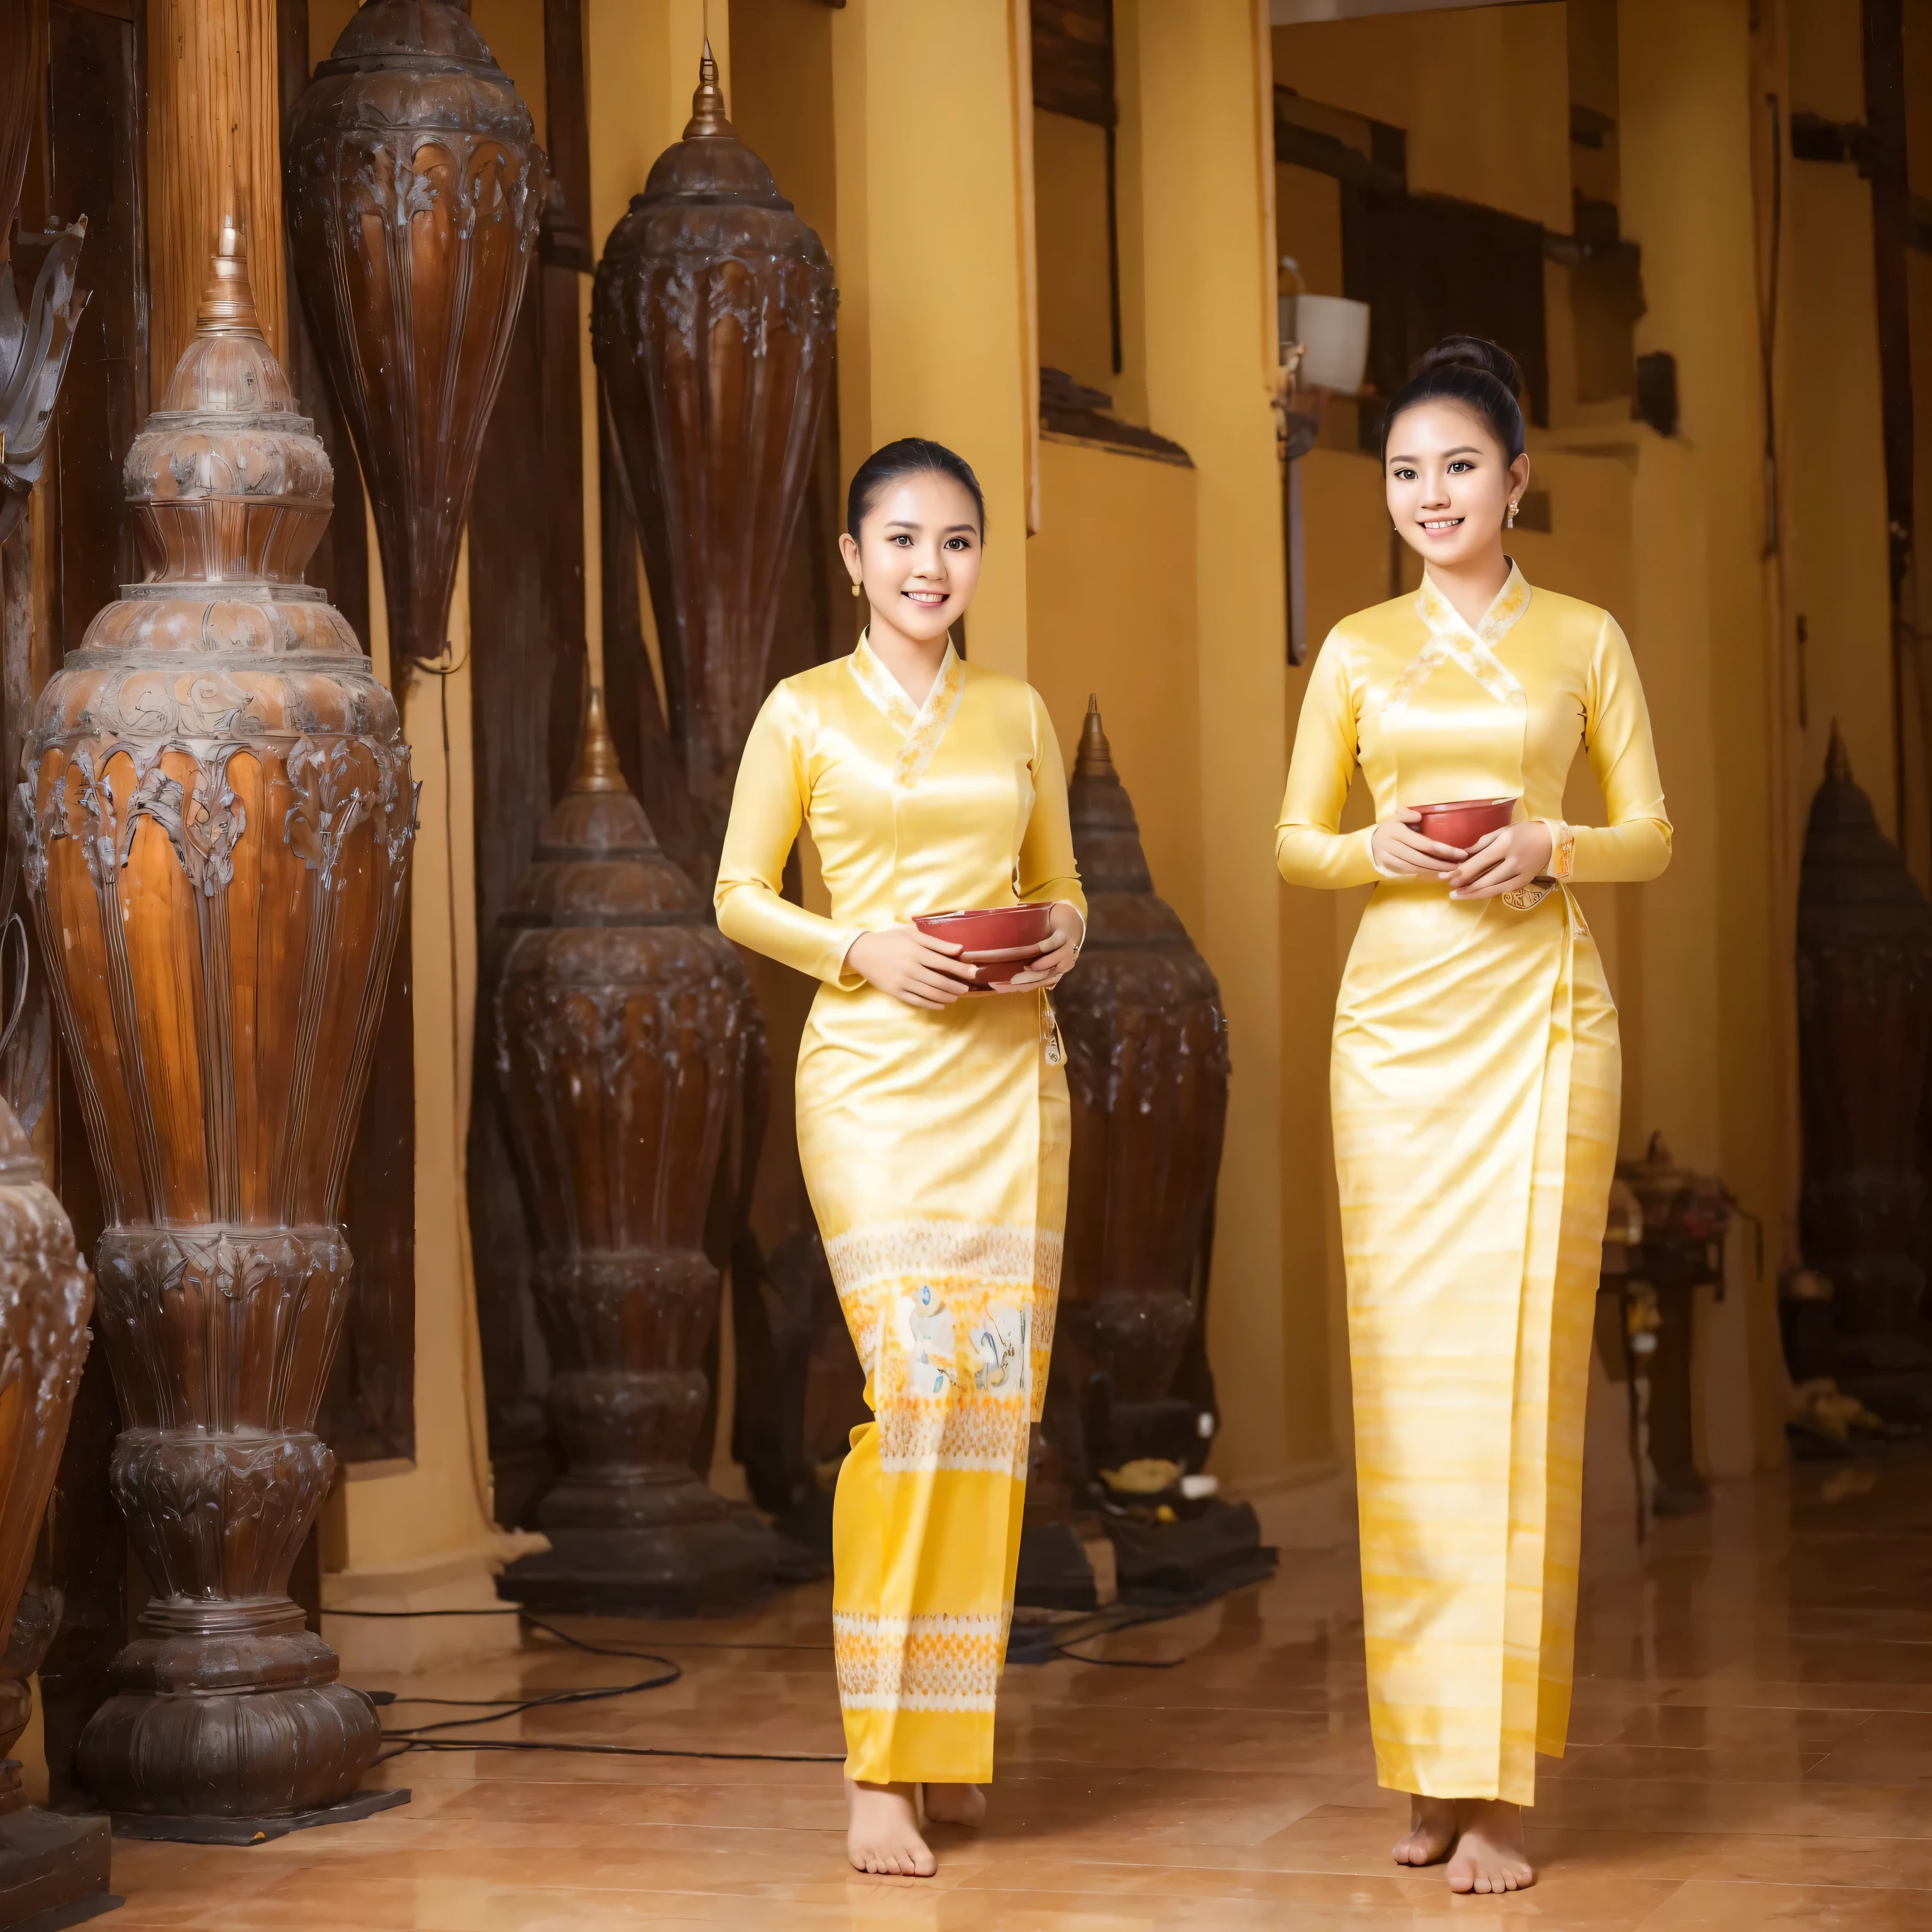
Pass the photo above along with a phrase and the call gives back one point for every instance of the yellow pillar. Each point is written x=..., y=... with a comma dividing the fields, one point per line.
x=1712, y=938
x=1201, y=74
x=932, y=107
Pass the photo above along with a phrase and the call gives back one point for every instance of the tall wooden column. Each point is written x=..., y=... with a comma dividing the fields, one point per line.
x=214, y=149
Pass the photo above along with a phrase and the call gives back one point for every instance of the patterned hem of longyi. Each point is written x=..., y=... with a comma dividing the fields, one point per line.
x=988, y=1253
x=984, y=1701
x=933, y=1661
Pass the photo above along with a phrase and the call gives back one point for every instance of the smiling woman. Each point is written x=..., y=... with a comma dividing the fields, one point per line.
x=933, y=1128
x=1475, y=1086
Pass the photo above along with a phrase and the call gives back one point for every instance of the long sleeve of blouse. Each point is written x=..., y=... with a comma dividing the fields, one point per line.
x=1046, y=871
x=1310, y=848
x=1635, y=845
x=768, y=806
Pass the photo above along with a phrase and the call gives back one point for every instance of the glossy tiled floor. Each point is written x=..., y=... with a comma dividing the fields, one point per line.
x=1752, y=1747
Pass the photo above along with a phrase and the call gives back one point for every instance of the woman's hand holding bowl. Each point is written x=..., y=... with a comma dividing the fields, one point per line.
x=1058, y=952
x=902, y=960
x=1401, y=850
x=1503, y=860
x=1497, y=863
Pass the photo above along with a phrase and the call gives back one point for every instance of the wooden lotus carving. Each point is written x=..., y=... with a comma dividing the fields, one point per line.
x=47, y=1863
x=1865, y=1017
x=621, y=1043
x=711, y=324
x=218, y=812
x=414, y=185
x=1146, y=1047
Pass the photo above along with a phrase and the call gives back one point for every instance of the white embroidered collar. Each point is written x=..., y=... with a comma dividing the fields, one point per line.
x=921, y=726
x=1450, y=640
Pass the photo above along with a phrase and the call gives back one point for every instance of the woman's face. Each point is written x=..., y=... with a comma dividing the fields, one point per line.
x=1449, y=483
x=917, y=555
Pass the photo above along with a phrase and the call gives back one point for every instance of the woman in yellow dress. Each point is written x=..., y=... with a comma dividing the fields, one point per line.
x=1474, y=1091
x=933, y=1129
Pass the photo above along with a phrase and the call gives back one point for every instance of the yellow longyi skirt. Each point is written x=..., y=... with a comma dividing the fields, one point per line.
x=934, y=1147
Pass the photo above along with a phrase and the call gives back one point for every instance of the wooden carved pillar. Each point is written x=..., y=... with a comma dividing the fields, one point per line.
x=49, y=1865
x=1865, y=1019
x=1146, y=1045
x=218, y=812
x=621, y=1044
x=213, y=99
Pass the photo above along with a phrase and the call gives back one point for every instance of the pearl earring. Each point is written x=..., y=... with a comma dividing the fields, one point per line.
x=858, y=590
x=1509, y=522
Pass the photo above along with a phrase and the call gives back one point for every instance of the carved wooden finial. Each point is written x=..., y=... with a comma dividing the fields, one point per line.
x=228, y=298
x=1095, y=759
x=707, y=104
x=1838, y=759
x=598, y=768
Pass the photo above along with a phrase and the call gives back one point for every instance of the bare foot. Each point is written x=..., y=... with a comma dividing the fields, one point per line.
x=1490, y=1856
x=1432, y=1831
x=882, y=1831
x=955, y=1804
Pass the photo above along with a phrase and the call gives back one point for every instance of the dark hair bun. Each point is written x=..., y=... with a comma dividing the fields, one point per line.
x=1476, y=374
x=1473, y=351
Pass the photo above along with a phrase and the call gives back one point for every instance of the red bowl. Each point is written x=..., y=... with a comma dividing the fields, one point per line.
x=1461, y=823
x=1000, y=941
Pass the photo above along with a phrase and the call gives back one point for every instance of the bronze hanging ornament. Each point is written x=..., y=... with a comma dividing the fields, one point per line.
x=414, y=187
x=712, y=325
x=1146, y=1049
x=621, y=1049
x=217, y=817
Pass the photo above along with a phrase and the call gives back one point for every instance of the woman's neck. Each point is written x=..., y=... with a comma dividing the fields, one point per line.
x=914, y=662
x=1471, y=587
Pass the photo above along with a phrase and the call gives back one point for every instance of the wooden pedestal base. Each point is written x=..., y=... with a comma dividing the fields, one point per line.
x=54, y=1869
x=225, y=1711
x=1193, y=1560
x=255, y=1831
x=703, y=1557
x=1054, y=1573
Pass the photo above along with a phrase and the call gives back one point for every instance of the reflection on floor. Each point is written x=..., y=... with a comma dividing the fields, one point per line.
x=1752, y=1747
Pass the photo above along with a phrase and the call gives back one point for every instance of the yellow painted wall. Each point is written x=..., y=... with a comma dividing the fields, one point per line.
x=1472, y=88
x=937, y=332
x=1834, y=469
x=1112, y=605
x=781, y=103
x=1203, y=186
x=1076, y=330
x=1716, y=928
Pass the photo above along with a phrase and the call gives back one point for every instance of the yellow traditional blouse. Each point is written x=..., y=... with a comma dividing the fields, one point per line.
x=913, y=808
x=1542, y=675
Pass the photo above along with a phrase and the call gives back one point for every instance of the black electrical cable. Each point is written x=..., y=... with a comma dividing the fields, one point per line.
x=413, y=1737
